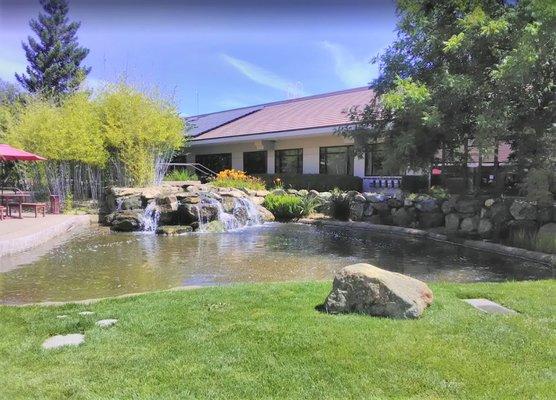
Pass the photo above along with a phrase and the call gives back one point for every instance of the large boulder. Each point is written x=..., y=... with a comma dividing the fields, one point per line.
x=431, y=219
x=356, y=209
x=366, y=289
x=469, y=224
x=173, y=230
x=521, y=209
x=426, y=205
x=547, y=236
x=451, y=221
x=499, y=213
x=266, y=215
x=485, y=228
x=130, y=202
x=403, y=216
x=468, y=205
x=126, y=221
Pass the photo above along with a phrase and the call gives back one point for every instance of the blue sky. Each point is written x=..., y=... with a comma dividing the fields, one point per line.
x=225, y=54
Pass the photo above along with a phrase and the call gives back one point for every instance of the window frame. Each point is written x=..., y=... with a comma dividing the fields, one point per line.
x=246, y=153
x=227, y=156
x=323, y=166
x=278, y=161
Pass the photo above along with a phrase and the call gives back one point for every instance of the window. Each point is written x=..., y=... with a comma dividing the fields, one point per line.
x=215, y=162
x=336, y=160
x=374, y=158
x=289, y=161
x=254, y=162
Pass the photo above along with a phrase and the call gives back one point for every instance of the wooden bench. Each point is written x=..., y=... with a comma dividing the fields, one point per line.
x=37, y=207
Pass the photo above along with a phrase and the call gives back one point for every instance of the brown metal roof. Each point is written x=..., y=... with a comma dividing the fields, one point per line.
x=318, y=111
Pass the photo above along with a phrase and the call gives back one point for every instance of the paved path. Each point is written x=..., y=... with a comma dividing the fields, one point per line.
x=18, y=235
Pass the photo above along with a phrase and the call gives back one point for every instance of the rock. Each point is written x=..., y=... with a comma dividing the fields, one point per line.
x=366, y=289
x=547, y=233
x=381, y=207
x=499, y=213
x=403, y=217
x=172, y=230
x=61, y=316
x=229, y=203
x=489, y=203
x=250, y=192
x=469, y=224
x=374, y=197
x=451, y=222
x=303, y=192
x=430, y=219
x=106, y=323
x=261, y=193
x=427, y=205
x=130, y=202
x=214, y=227
x=126, y=221
x=313, y=193
x=394, y=203
x=352, y=193
x=72, y=339
x=375, y=219
x=449, y=205
x=325, y=196
x=408, y=203
x=369, y=210
x=359, y=198
x=356, y=210
x=86, y=313
x=188, y=213
x=521, y=209
x=468, y=205
x=189, y=198
x=257, y=200
x=291, y=191
x=266, y=215
x=544, y=214
x=484, y=229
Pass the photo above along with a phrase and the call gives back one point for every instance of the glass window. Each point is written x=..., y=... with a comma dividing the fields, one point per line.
x=215, y=162
x=374, y=158
x=254, y=162
x=336, y=160
x=289, y=161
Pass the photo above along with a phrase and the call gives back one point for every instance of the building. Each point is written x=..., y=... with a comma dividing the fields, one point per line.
x=296, y=136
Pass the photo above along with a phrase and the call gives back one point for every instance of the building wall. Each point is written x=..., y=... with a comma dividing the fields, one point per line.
x=310, y=146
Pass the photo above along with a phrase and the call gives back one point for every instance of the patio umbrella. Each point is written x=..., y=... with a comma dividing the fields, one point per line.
x=9, y=153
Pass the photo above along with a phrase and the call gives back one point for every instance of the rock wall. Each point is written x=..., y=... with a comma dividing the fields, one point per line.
x=465, y=216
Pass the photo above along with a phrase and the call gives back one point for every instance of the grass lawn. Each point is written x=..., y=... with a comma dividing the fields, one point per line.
x=267, y=341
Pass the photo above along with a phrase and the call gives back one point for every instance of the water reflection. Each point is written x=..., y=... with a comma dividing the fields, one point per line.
x=99, y=263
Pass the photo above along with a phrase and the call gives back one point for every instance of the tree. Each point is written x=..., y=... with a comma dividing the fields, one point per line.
x=461, y=74
x=55, y=59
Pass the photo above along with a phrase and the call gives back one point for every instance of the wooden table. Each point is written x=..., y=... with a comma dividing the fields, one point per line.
x=7, y=198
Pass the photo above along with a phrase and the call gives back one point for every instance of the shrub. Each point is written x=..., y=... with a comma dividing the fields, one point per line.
x=339, y=205
x=537, y=185
x=414, y=183
x=319, y=182
x=439, y=193
x=181, y=175
x=237, y=179
x=310, y=204
x=286, y=207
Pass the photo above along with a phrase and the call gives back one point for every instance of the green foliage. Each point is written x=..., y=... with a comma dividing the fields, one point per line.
x=439, y=193
x=340, y=205
x=122, y=125
x=237, y=179
x=310, y=204
x=55, y=60
x=286, y=207
x=68, y=203
x=181, y=175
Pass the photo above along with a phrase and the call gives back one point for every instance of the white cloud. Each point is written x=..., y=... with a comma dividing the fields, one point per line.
x=351, y=71
x=262, y=76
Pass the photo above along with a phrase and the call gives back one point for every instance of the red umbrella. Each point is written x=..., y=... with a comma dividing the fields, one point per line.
x=9, y=153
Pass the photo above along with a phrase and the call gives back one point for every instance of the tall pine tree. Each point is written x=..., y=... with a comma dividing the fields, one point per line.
x=55, y=59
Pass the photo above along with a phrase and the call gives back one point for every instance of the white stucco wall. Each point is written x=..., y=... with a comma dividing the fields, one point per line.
x=310, y=146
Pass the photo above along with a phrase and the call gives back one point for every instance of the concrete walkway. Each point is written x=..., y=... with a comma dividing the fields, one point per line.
x=18, y=235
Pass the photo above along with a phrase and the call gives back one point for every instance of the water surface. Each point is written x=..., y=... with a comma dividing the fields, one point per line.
x=98, y=263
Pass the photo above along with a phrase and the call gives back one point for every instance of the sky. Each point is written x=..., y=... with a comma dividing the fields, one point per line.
x=215, y=55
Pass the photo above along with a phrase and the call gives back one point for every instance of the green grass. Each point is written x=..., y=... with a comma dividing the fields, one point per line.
x=268, y=341
x=181, y=175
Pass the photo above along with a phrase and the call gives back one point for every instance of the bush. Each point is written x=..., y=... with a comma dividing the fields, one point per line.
x=414, y=183
x=537, y=185
x=237, y=179
x=286, y=207
x=439, y=193
x=319, y=182
x=339, y=205
x=181, y=175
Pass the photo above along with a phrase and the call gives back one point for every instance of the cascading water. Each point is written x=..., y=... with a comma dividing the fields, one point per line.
x=150, y=217
x=244, y=213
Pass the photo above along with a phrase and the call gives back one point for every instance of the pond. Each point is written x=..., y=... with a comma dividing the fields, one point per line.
x=98, y=263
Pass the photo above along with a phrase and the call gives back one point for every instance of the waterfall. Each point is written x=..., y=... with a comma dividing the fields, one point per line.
x=119, y=203
x=149, y=218
x=244, y=213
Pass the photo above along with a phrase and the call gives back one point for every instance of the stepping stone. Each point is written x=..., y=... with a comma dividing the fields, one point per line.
x=490, y=307
x=54, y=342
x=61, y=316
x=106, y=323
x=86, y=313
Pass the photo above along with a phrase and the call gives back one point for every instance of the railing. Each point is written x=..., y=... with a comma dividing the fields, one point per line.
x=196, y=166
